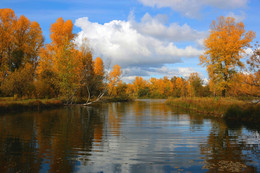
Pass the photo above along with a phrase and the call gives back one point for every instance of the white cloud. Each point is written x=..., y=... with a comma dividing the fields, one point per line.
x=141, y=48
x=186, y=71
x=156, y=27
x=127, y=45
x=191, y=8
x=248, y=52
x=238, y=17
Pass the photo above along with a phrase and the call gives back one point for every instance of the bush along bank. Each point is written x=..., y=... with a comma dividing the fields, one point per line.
x=227, y=108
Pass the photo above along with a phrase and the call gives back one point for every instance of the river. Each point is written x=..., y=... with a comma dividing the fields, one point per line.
x=140, y=136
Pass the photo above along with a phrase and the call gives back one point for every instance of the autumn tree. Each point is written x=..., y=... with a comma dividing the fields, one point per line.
x=252, y=80
x=28, y=41
x=114, y=78
x=61, y=59
x=196, y=84
x=156, y=88
x=19, y=82
x=7, y=27
x=181, y=87
x=168, y=90
x=254, y=59
x=20, y=42
x=224, y=49
x=247, y=83
x=99, y=75
x=87, y=80
x=141, y=88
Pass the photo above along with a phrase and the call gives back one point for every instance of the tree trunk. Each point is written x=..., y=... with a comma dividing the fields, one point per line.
x=224, y=93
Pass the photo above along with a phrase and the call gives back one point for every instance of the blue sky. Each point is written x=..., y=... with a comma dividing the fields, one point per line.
x=146, y=37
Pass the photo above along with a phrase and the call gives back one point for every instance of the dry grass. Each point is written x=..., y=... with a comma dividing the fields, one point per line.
x=228, y=108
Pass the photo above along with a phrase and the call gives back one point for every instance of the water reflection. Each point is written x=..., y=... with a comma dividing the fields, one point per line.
x=142, y=136
x=230, y=150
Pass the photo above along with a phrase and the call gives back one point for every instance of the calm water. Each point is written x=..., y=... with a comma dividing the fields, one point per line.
x=143, y=136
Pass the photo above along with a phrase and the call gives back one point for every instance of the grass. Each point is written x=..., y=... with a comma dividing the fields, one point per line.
x=228, y=108
x=10, y=104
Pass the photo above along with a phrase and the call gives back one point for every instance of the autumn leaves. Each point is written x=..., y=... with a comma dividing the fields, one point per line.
x=20, y=41
x=28, y=68
x=58, y=69
x=224, y=49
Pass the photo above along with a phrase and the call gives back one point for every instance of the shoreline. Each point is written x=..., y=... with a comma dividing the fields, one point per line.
x=9, y=105
x=225, y=108
x=14, y=106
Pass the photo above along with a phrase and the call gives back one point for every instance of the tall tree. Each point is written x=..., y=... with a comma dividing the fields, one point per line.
x=99, y=76
x=87, y=80
x=113, y=79
x=28, y=40
x=62, y=59
x=224, y=49
x=20, y=41
x=7, y=27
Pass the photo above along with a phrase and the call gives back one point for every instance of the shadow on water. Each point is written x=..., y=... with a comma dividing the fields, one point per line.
x=141, y=136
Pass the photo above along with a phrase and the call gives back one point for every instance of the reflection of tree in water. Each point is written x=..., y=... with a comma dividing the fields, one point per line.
x=48, y=140
x=142, y=109
x=226, y=151
x=16, y=143
x=115, y=113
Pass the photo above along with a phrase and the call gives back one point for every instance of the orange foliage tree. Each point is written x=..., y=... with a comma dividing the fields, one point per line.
x=61, y=59
x=141, y=87
x=223, y=51
x=20, y=42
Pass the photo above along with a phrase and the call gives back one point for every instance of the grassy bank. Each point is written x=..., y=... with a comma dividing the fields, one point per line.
x=228, y=108
x=9, y=104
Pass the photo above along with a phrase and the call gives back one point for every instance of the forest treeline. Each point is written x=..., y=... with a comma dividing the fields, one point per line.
x=31, y=68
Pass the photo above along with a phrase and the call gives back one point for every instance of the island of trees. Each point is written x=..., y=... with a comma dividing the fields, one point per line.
x=66, y=71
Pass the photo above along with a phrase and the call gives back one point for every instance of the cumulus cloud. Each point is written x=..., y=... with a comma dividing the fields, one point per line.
x=156, y=27
x=127, y=43
x=191, y=8
x=140, y=47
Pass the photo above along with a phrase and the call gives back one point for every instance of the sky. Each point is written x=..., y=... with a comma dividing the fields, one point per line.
x=148, y=38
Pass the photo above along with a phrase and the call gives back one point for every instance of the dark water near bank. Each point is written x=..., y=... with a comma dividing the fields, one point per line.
x=143, y=136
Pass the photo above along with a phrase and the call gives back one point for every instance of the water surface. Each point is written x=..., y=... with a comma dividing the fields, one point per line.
x=142, y=136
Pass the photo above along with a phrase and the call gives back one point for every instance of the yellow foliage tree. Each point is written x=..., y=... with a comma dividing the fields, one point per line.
x=7, y=27
x=114, y=79
x=99, y=67
x=223, y=51
x=140, y=87
x=62, y=59
x=99, y=76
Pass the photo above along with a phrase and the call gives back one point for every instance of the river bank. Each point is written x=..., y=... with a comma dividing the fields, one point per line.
x=10, y=104
x=227, y=108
